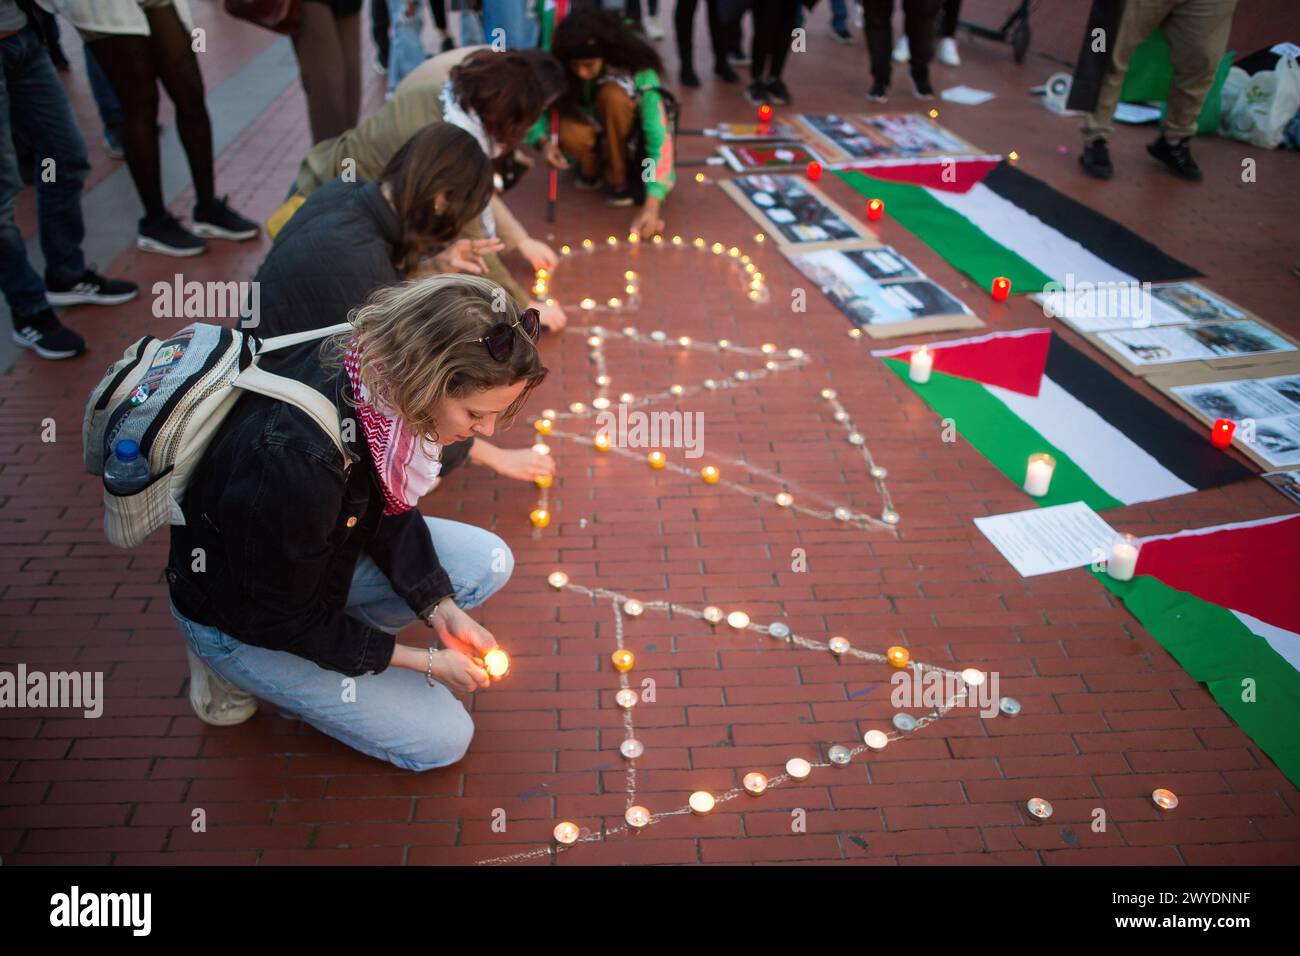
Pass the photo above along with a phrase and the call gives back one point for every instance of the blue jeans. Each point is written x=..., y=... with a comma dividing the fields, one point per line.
x=396, y=716
x=44, y=119
x=839, y=16
x=405, y=51
x=519, y=32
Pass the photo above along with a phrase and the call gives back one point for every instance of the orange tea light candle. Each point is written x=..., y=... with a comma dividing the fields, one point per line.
x=898, y=656
x=657, y=460
x=710, y=474
x=1221, y=433
x=540, y=518
x=542, y=481
x=875, y=209
x=543, y=426
x=601, y=442
x=623, y=660
x=1001, y=289
x=497, y=663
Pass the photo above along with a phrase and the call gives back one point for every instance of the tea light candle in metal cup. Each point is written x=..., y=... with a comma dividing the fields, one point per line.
x=904, y=722
x=497, y=663
x=631, y=748
x=713, y=614
x=1164, y=799
x=637, y=817
x=755, y=783
x=1039, y=807
x=898, y=656
x=784, y=499
x=876, y=739
x=540, y=517
x=738, y=619
x=839, y=646
x=798, y=768
x=656, y=460
x=626, y=698
x=973, y=676
x=633, y=608
x=1009, y=707
x=622, y=660
x=557, y=580
x=566, y=833
x=710, y=474
x=543, y=426
x=779, y=630
x=543, y=481
x=702, y=802
x=840, y=755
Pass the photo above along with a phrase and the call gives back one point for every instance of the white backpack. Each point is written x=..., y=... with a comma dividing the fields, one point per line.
x=170, y=396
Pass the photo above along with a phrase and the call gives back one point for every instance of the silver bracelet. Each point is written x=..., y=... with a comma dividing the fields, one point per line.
x=428, y=673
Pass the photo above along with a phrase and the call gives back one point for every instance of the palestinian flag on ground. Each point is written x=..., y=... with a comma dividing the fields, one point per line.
x=989, y=219
x=1222, y=601
x=1014, y=394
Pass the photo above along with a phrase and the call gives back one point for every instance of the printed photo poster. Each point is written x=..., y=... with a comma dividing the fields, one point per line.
x=1196, y=342
x=882, y=136
x=792, y=210
x=1266, y=410
x=1287, y=482
x=1104, y=307
x=751, y=132
x=881, y=292
x=748, y=157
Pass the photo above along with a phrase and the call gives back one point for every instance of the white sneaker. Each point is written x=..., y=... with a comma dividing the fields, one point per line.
x=902, y=52
x=215, y=700
x=947, y=53
x=652, y=29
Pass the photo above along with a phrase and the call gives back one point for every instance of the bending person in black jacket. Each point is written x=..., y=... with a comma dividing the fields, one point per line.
x=296, y=568
x=351, y=238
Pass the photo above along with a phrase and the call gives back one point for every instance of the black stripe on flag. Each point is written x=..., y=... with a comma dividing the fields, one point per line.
x=1185, y=451
x=1103, y=237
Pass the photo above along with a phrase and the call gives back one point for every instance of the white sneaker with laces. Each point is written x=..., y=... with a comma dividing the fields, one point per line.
x=215, y=700
x=902, y=52
x=652, y=29
x=947, y=53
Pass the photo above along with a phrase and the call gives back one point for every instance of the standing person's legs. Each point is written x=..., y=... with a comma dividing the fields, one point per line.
x=393, y=715
x=321, y=68
x=919, y=18
x=765, y=23
x=616, y=112
x=349, y=33
x=509, y=17
x=839, y=17
x=1197, y=31
x=110, y=110
x=684, y=28
x=379, y=27
x=178, y=69
x=948, y=21
x=128, y=64
x=405, y=51
x=1136, y=23
x=723, y=37
x=785, y=13
x=879, y=34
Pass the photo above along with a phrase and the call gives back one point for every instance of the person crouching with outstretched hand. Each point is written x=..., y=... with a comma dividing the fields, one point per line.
x=310, y=565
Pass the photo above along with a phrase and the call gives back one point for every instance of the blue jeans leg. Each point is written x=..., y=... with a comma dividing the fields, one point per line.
x=395, y=715
x=44, y=119
x=405, y=51
x=509, y=16
x=839, y=16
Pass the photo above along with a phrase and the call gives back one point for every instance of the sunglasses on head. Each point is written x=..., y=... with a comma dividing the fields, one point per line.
x=501, y=338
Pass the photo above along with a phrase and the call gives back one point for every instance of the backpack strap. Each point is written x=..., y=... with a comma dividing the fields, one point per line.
x=296, y=338
x=321, y=409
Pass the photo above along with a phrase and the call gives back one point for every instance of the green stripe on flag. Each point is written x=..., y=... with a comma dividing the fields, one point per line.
x=1003, y=437
x=967, y=247
x=1217, y=649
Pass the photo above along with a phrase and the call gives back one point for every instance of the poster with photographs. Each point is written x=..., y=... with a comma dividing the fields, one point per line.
x=792, y=211
x=1287, y=482
x=881, y=292
x=1198, y=342
x=1112, y=306
x=746, y=158
x=882, y=136
x=756, y=132
x=1266, y=410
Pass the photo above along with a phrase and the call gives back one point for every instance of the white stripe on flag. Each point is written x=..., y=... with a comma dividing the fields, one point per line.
x=1033, y=240
x=1123, y=469
x=1286, y=643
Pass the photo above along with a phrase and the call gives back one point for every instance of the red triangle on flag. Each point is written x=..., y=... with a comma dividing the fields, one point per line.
x=949, y=175
x=1011, y=360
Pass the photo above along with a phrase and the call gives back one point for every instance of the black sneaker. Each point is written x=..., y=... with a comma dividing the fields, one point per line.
x=723, y=71
x=44, y=335
x=620, y=196
x=165, y=235
x=921, y=88
x=757, y=93
x=448, y=44
x=1095, y=160
x=843, y=36
x=582, y=182
x=878, y=92
x=690, y=79
x=779, y=92
x=91, y=289
x=218, y=221
x=1177, y=157
x=738, y=58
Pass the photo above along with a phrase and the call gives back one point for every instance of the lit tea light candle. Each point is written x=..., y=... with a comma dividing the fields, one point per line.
x=765, y=113
x=1164, y=799
x=540, y=518
x=587, y=304
x=565, y=250
x=657, y=460
x=630, y=331
x=878, y=473
x=710, y=474
x=684, y=341
x=798, y=768
x=698, y=242
x=898, y=656
x=972, y=676
x=1221, y=433
x=543, y=426
x=637, y=817
x=631, y=748
x=543, y=481
x=843, y=514
x=760, y=238
x=634, y=237
x=724, y=344
x=712, y=614
x=602, y=380
x=920, y=365
x=595, y=341
x=828, y=393
x=701, y=802
x=839, y=646
x=677, y=240
x=794, y=353
x=755, y=783
x=587, y=244
x=1038, y=474
x=733, y=252
x=630, y=289
x=600, y=403
x=677, y=389
x=623, y=660
x=855, y=333
x=612, y=240
x=577, y=408
x=716, y=248
x=541, y=449
x=855, y=438
x=566, y=833
x=738, y=619
x=497, y=663
x=699, y=177
x=814, y=170
x=601, y=442
x=633, y=608
x=1013, y=155
x=875, y=209
x=1039, y=807
x=784, y=499
x=1001, y=289
x=840, y=755
x=626, y=698
x=876, y=739
x=1123, y=558
x=626, y=397
x=709, y=383
x=889, y=516
x=934, y=114
x=557, y=580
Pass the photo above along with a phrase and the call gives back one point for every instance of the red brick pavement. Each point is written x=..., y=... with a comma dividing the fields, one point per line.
x=1108, y=715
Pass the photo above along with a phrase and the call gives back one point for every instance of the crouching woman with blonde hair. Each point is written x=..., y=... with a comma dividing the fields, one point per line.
x=310, y=566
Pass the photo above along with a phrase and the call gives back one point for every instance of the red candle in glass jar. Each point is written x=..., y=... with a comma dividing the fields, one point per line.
x=875, y=209
x=1221, y=432
x=765, y=113
x=1001, y=289
x=814, y=171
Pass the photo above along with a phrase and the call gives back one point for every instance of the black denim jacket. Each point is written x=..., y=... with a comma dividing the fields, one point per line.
x=281, y=526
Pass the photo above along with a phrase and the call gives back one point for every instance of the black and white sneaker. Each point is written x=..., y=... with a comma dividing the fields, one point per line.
x=757, y=93
x=216, y=220
x=582, y=182
x=779, y=92
x=163, y=234
x=619, y=196
x=91, y=289
x=879, y=92
x=921, y=88
x=47, y=337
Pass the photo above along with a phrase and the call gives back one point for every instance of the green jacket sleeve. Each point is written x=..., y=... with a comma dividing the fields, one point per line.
x=658, y=137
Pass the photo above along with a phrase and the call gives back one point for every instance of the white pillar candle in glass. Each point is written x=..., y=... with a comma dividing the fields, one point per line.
x=919, y=368
x=1123, y=558
x=1038, y=474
